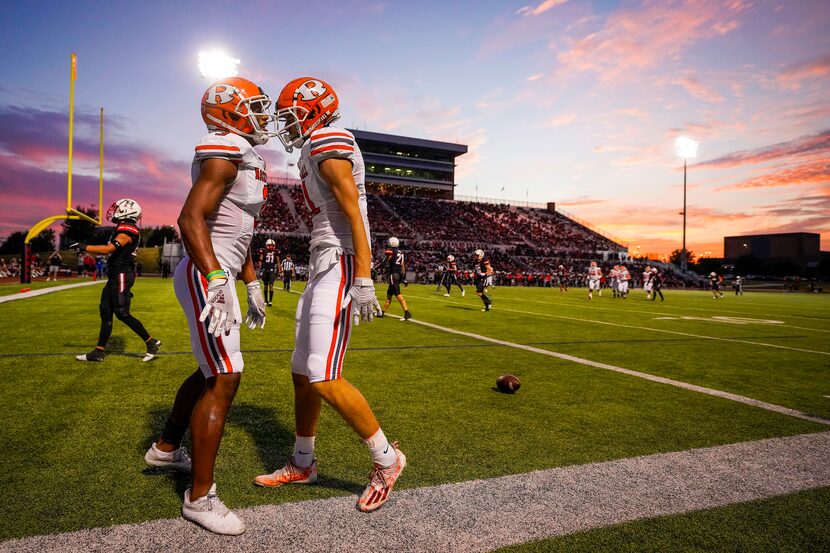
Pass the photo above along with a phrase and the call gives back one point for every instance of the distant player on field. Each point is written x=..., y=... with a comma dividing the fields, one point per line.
x=715, y=281
x=614, y=281
x=739, y=285
x=647, y=285
x=656, y=281
x=395, y=266
x=268, y=261
x=339, y=290
x=483, y=275
x=623, y=279
x=562, y=278
x=217, y=226
x=594, y=279
x=116, y=295
x=450, y=276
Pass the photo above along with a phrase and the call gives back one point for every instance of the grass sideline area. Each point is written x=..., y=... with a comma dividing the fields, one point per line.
x=790, y=523
x=14, y=287
x=80, y=430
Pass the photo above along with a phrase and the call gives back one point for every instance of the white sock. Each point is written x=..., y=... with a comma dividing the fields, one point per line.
x=382, y=452
x=303, y=451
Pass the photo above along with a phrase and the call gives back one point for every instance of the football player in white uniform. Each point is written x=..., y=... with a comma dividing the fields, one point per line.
x=339, y=288
x=594, y=278
x=623, y=278
x=647, y=282
x=614, y=280
x=217, y=225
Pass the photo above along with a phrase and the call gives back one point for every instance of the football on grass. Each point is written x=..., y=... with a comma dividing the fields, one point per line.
x=508, y=384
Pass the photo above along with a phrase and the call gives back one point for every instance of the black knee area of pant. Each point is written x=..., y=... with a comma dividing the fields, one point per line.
x=173, y=433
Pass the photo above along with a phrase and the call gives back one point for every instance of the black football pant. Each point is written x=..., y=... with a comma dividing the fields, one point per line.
x=449, y=280
x=656, y=290
x=115, y=300
x=286, y=283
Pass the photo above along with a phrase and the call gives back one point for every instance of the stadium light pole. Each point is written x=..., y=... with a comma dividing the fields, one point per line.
x=215, y=65
x=684, y=148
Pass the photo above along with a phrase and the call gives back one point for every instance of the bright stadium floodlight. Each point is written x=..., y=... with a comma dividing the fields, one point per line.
x=215, y=65
x=685, y=148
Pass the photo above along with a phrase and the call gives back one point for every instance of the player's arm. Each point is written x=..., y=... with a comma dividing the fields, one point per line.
x=214, y=176
x=121, y=240
x=337, y=173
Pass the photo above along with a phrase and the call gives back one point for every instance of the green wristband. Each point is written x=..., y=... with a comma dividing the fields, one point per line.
x=218, y=273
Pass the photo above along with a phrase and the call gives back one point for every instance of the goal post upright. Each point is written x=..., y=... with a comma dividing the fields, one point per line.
x=71, y=213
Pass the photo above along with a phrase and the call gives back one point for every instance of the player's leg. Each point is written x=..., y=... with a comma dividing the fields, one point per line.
x=406, y=314
x=301, y=468
x=122, y=312
x=105, y=310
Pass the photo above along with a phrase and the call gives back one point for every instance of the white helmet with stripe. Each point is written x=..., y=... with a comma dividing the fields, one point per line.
x=393, y=242
x=124, y=210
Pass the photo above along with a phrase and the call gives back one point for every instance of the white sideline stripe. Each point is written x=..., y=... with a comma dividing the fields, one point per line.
x=662, y=380
x=482, y=515
x=40, y=292
x=646, y=328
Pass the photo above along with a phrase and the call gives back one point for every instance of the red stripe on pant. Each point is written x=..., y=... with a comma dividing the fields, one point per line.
x=200, y=327
x=217, y=339
x=337, y=309
x=347, y=332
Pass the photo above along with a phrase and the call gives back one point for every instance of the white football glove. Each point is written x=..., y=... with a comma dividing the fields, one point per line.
x=366, y=304
x=256, y=306
x=219, y=307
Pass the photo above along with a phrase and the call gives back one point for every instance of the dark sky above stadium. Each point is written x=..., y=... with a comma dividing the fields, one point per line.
x=577, y=102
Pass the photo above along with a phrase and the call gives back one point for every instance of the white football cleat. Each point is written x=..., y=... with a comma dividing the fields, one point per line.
x=381, y=482
x=446, y=295
x=176, y=460
x=211, y=514
x=462, y=293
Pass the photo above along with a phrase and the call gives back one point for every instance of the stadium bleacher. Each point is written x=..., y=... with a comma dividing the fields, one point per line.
x=525, y=244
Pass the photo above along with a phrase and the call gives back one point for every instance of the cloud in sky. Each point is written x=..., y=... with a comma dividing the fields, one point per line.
x=539, y=8
x=794, y=75
x=634, y=39
x=817, y=144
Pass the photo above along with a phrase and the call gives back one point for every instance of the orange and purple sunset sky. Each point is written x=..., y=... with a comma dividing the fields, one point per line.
x=577, y=102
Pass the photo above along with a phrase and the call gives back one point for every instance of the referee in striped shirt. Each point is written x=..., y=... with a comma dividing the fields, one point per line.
x=287, y=272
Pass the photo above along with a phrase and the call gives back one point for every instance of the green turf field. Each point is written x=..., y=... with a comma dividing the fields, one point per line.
x=78, y=431
x=15, y=287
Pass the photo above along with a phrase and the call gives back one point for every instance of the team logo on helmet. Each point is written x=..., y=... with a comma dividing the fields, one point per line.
x=239, y=106
x=305, y=104
x=124, y=209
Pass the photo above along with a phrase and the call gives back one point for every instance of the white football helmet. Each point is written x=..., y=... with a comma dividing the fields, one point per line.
x=712, y=274
x=393, y=242
x=124, y=210
x=479, y=254
x=270, y=244
x=450, y=258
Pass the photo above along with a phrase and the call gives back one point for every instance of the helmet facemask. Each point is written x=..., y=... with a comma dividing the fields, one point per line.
x=252, y=110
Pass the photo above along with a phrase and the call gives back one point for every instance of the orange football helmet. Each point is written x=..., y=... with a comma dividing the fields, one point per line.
x=239, y=106
x=305, y=104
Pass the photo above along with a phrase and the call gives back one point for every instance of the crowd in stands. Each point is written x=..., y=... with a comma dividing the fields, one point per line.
x=525, y=245
x=276, y=216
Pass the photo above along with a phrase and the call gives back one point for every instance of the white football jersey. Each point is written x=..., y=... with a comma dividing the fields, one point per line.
x=646, y=276
x=232, y=224
x=330, y=227
x=594, y=273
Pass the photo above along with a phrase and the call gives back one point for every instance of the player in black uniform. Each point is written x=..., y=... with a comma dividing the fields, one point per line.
x=450, y=277
x=268, y=269
x=395, y=266
x=715, y=281
x=562, y=278
x=656, y=284
x=483, y=274
x=116, y=295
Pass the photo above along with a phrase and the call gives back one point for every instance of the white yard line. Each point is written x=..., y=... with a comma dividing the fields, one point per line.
x=482, y=515
x=620, y=325
x=646, y=376
x=42, y=291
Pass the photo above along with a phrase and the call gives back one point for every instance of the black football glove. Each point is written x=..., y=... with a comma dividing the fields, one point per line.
x=77, y=247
